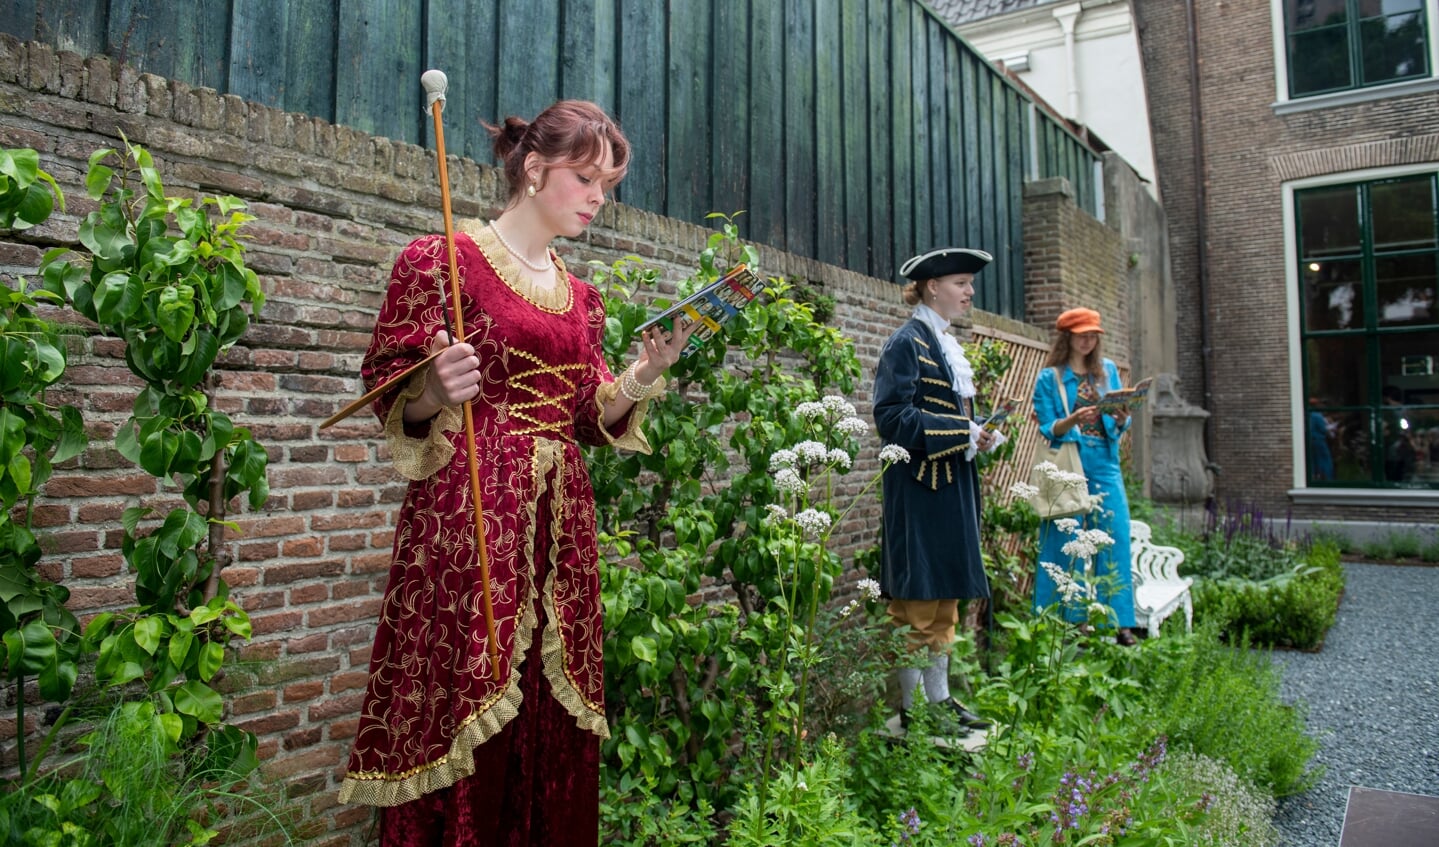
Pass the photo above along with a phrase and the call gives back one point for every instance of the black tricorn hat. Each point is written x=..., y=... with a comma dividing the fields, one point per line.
x=943, y=262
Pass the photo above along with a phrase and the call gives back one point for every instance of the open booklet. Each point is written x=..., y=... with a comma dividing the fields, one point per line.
x=710, y=307
x=1121, y=398
x=1002, y=411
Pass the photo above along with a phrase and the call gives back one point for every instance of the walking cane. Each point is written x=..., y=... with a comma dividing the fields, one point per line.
x=435, y=83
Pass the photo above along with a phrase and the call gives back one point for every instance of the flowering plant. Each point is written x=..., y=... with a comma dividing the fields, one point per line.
x=800, y=523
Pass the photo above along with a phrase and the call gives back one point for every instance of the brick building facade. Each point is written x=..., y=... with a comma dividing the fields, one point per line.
x=1265, y=342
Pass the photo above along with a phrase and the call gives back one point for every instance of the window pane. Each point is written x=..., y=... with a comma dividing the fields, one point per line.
x=1329, y=222
x=1333, y=295
x=1406, y=290
x=1319, y=60
x=1336, y=371
x=1414, y=451
x=1393, y=48
x=1409, y=438
x=1371, y=8
x=1409, y=363
x=1300, y=15
x=1346, y=439
x=1403, y=214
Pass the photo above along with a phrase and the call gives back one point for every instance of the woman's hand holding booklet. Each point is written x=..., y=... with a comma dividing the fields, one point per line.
x=710, y=307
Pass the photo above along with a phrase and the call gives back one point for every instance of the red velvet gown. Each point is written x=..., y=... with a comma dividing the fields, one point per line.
x=456, y=757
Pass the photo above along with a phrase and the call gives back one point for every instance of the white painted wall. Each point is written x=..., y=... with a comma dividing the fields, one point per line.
x=1109, y=75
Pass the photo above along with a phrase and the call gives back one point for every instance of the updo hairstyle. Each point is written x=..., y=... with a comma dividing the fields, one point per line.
x=569, y=133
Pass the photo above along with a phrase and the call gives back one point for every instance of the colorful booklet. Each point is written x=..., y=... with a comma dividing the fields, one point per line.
x=710, y=307
x=1000, y=414
x=1121, y=398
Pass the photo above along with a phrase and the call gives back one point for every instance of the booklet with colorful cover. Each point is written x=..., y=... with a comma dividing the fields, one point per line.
x=1001, y=413
x=710, y=307
x=1121, y=398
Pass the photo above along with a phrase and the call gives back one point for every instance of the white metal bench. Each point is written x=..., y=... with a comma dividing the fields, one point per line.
x=1159, y=590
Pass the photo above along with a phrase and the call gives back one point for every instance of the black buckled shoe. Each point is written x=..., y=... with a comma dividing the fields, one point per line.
x=966, y=718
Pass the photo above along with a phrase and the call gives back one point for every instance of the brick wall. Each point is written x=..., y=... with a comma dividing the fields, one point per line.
x=1249, y=152
x=333, y=207
x=1071, y=260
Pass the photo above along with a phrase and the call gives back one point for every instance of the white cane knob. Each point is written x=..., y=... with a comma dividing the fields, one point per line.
x=434, y=82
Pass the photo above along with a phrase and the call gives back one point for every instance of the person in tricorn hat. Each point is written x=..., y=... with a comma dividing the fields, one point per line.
x=924, y=402
x=1077, y=367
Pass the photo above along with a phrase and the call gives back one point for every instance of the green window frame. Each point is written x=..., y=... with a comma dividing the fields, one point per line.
x=1368, y=255
x=1342, y=45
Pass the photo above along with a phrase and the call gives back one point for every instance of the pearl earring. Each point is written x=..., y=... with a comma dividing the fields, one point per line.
x=531, y=190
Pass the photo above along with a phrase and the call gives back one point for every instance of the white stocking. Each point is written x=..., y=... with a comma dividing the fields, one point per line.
x=908, y=681
x=936, y=679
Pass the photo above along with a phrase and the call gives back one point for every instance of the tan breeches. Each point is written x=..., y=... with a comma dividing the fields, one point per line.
x=931, y=622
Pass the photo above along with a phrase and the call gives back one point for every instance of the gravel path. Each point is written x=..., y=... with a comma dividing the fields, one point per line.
x=1373, y=695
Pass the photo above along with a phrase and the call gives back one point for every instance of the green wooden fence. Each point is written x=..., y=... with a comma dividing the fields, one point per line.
x=858, y=132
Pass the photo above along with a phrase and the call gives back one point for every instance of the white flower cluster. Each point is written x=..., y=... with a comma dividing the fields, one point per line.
x=810, y=410
x=837, y=407
x=1086, y=544
x=811, y=452
x=776, y=514
x=1066, y=525
x=782, y=459
x=1023, y=490
x=851, y=426
x=789, y=481
x=814, y=523
x=891, y=454
x=1065, y=478
x=1069, y=590
x=839, y=459
x=868, y=590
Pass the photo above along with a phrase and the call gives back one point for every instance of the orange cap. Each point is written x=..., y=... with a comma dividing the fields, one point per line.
x=1079, y=320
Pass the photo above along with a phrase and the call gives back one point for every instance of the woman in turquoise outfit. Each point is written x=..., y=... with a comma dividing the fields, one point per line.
x=1075, y=364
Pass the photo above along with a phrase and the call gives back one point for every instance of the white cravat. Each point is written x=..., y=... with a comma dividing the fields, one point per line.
x=961, y=372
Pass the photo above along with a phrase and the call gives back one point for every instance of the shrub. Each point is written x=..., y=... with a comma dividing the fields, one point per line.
x=1406, y=545
x=1223, y=702
x=1294, y=609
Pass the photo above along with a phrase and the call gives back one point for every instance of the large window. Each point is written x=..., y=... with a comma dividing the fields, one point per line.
x=1339, y=45
x=1369, y=295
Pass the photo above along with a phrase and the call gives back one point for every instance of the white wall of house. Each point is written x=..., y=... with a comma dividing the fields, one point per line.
x=1083, y=59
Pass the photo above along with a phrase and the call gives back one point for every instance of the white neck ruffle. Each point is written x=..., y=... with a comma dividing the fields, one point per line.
x=961, y=372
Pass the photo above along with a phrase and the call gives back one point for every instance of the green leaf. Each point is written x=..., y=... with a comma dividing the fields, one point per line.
x=212, y=656
x=179, y=649
x=644, y=648
x=200, y=701
x=148, y=632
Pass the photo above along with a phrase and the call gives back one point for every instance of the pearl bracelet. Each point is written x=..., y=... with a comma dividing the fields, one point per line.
x=633, y=389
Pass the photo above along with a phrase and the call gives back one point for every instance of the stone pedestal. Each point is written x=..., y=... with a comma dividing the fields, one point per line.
x=1180, y=472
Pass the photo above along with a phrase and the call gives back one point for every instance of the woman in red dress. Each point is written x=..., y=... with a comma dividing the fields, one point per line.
x=453, y=756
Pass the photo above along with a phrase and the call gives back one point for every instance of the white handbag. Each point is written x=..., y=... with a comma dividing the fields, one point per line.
x=1056, y=498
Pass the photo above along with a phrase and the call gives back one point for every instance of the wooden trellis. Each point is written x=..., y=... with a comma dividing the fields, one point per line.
x=1027, y=358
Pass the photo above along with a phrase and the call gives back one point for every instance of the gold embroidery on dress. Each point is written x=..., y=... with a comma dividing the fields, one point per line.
x=932, y=381
x=556, y=300
x=517, y=382
x=928, y=361
x=943, y=404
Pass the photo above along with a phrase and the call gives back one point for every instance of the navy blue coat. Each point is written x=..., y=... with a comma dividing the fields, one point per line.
x=930, y=544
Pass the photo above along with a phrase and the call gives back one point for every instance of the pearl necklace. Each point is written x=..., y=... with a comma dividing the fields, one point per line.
x=537, y=268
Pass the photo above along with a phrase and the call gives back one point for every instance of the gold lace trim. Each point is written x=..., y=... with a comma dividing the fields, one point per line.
x=633, y=438
x=556, y=300
x=420, y=458
x=516, y=382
